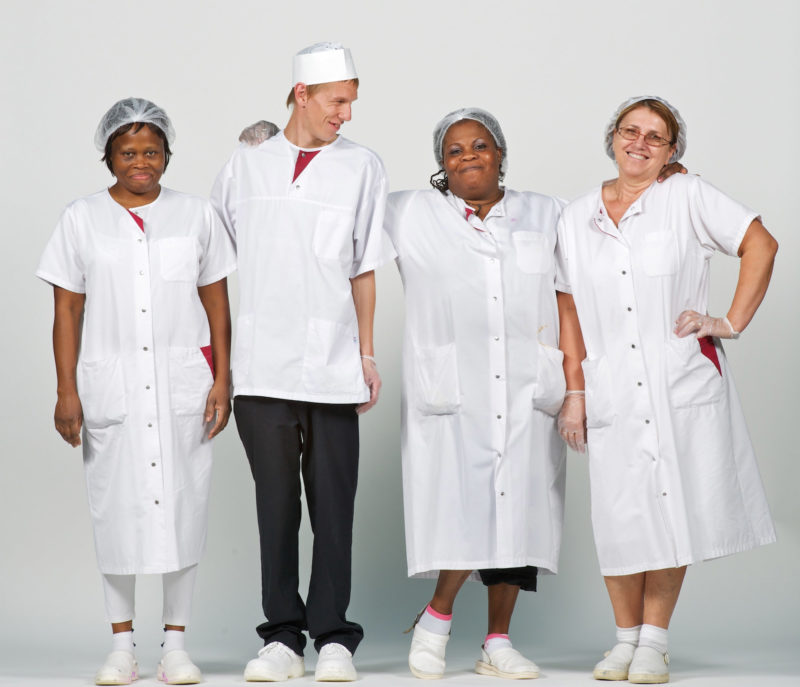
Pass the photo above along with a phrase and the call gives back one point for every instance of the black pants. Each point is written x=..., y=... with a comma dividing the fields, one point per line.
x=275, y=434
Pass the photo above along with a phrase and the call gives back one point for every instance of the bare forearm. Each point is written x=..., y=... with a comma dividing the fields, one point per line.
x=363, y=287
x=571, y=341
x=757, y=254
x=68, y=311
x=214, y=298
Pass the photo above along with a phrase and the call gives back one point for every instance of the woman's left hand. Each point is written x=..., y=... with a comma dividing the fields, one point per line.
x=672, y=168
x=690, y=321
x=219, y=402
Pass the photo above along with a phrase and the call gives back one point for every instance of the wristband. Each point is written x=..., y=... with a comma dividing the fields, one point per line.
x=370, y=358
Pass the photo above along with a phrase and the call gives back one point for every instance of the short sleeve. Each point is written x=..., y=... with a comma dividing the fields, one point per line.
x=371, y=245
x=395, y=211
x=219, y=256
x=562, y=259
x=718, y=220
x=61, y=263
x=223, y=197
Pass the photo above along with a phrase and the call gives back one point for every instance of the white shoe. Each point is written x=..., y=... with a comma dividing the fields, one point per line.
x=615, y=665
x=648, y=667
x=335, y=664
x=120, y=668
x=176, y=668
x=426, y=655
x=506, y=662
x=276, y=662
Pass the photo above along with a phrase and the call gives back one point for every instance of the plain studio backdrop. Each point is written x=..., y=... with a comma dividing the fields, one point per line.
x=552, y=73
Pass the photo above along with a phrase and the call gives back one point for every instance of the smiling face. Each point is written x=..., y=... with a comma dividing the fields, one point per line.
x=471, y=160
x=137, y=161
x=321, y=113
x=637, y=160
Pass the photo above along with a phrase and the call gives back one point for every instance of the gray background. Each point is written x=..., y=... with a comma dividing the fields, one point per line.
x=552, y=73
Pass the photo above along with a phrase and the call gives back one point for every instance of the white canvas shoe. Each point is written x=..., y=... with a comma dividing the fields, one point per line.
x=648, y=667
x=176, y=668
x=506, y=662
x=120, y=668
x=335, y=664
x=615, y=664
x=275, y=662
x=426, y=655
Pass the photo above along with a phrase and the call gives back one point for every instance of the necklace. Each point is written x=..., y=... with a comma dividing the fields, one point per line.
x=490, y=203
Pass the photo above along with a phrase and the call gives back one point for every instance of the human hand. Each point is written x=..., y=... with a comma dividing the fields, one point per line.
x=668, y=170
x=373, y=381
x=690, y=321
x=257, y=133
x=219, y=402
x=68, y=417
x=572, y=421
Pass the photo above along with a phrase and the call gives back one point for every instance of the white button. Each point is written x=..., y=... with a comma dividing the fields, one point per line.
x=497, y=338
x=663, y=493
x=144, y=348
x=141, y=273
x=144, y=309
x=499, y=417
x=147, y=387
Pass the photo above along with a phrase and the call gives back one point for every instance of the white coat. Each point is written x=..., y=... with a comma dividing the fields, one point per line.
x=483, y=465
x=142, y=377
x=674, y=478
x=298, y=244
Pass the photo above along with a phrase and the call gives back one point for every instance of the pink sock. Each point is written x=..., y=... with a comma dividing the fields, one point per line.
x=495, y=641
x=433, y=621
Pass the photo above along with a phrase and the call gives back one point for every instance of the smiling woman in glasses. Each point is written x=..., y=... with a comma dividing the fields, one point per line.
x=674, y=479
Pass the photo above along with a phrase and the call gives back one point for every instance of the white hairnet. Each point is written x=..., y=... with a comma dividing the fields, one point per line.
x=680, y=143
x=128, y=111
x=478, y=115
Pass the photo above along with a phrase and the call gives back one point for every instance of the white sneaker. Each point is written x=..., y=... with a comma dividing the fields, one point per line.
x=426, y=655
x=276, y=662
x=176, y=668
x=648, y=667
x=615, y=664
x=506, y=662
x=335, y=664
x=120, y=668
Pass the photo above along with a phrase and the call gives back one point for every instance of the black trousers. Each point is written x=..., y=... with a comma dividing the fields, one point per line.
x=283, y=439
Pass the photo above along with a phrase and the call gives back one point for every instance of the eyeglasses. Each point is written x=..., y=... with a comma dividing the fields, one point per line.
x=632, y=133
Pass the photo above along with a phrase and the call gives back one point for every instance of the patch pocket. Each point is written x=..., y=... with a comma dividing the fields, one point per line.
x=692, y=377
x=332, y=361
x=436, y=378
x=659, y=254
x=600, y=409
x=179, y=258
x=190, y=381
x=550, y=387
x=101, y=389
x=333, y=236
x=534, y=252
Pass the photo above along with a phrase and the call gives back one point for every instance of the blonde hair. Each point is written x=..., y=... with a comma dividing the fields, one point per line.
x=311, y=89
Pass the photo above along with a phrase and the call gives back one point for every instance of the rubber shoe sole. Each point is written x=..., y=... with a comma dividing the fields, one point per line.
x=483, y=668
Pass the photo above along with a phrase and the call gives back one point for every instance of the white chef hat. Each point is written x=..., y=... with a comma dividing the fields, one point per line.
x=680, y=143
x=323, y=63
x=478, y=115
x=129, y=111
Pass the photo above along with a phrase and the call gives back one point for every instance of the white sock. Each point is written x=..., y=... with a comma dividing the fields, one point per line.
x=122, y=641
x=655, y=637
x=435, y=622
x=173, y=640
x=628, y=635
x=493, y=642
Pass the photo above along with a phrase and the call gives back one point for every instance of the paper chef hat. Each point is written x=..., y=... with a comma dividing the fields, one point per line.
x=323, y=63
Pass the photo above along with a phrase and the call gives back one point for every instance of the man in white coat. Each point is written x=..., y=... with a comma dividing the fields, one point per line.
x=305, y=209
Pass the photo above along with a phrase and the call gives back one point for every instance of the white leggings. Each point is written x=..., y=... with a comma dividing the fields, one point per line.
x=120, y=593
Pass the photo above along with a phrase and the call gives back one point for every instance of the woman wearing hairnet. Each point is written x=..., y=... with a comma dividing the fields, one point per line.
x=145, y=269
x=674, y=478
x=483, y=465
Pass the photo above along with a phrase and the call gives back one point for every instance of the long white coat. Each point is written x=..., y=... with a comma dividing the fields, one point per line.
x=142, y=377
x=483, y=465
x=674, y=478
x=299, y=243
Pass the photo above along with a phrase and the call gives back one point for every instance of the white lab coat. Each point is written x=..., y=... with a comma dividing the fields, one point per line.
x=299, y=244
x=674, y=478
x=142, y=378
x=483, y=465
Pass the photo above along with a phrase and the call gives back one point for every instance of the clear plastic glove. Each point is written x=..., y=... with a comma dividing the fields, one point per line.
x=572, y=421
x=690, y=322
x=257, y=133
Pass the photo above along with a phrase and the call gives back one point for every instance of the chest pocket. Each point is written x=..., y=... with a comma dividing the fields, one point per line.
x=534, y=252
x=660, y=254
x=333, y=236
x=178, y=257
